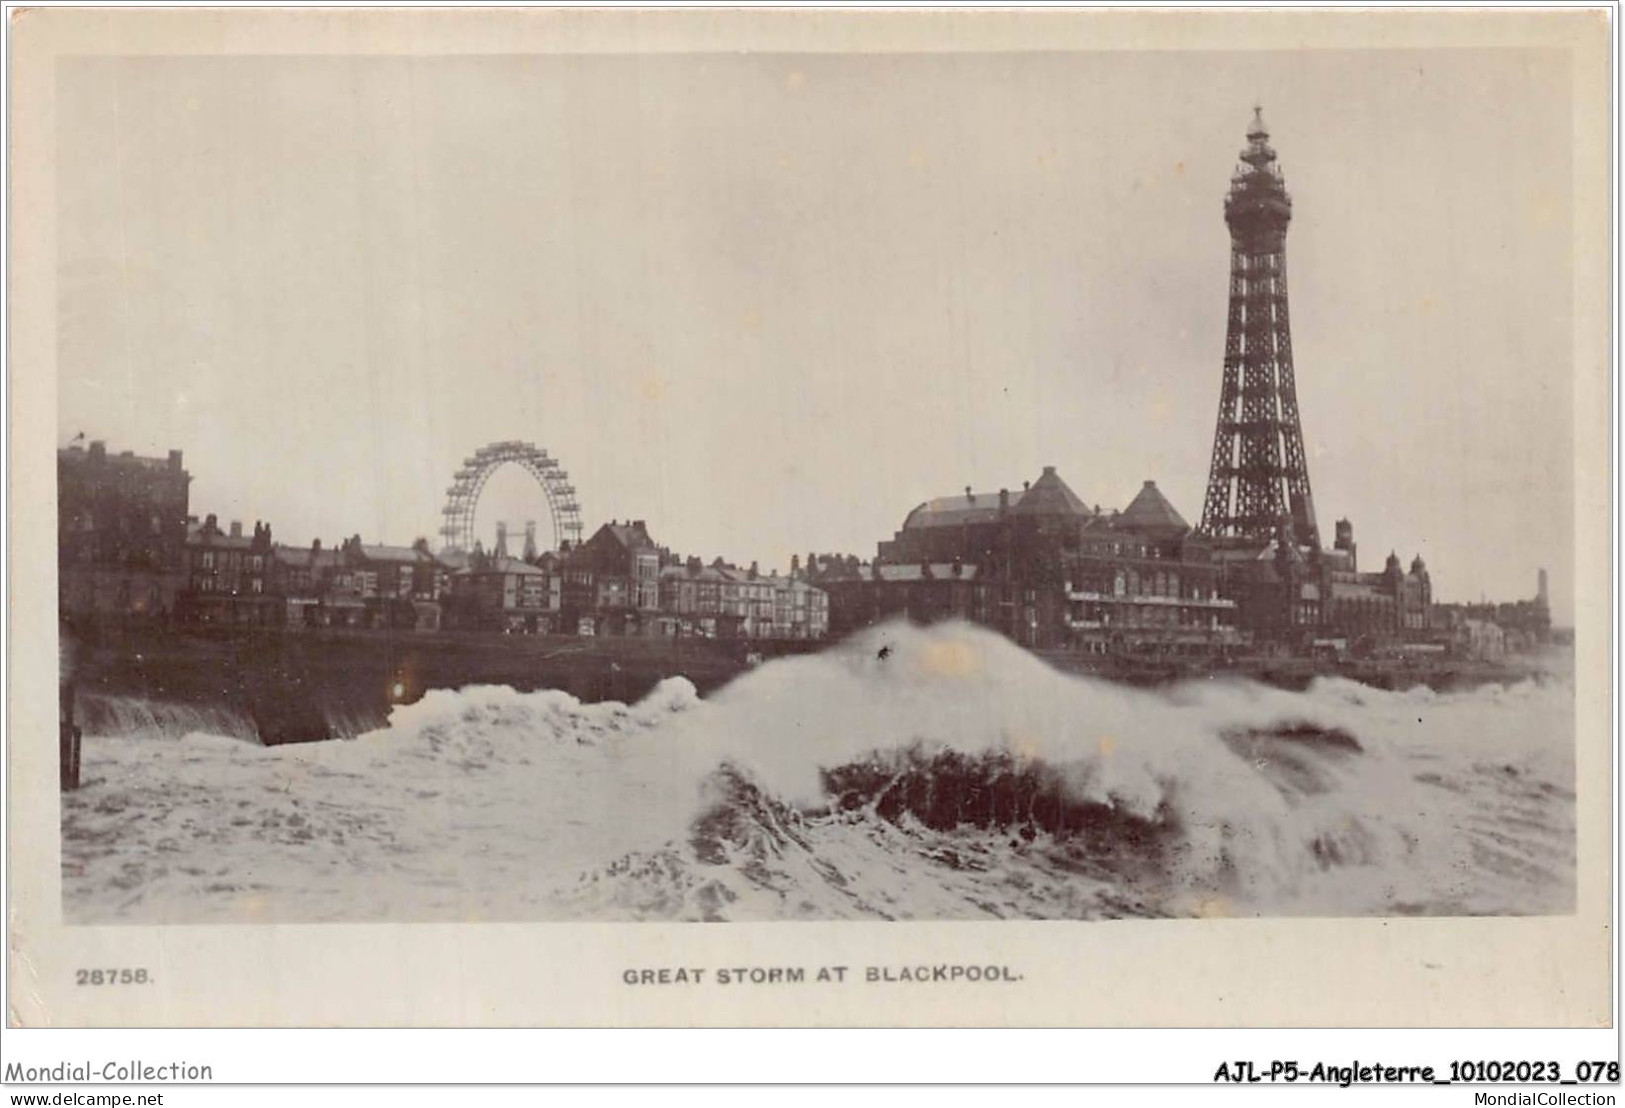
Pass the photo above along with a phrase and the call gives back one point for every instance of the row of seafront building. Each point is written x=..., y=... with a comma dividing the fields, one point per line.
x=1038, y=565
x=1052, y=573
x=129, y=547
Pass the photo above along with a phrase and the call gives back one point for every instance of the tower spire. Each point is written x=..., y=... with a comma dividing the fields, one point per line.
x=1259, y=474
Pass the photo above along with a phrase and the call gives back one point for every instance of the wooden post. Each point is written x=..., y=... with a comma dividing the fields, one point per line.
x=69, y=738
x=68, y=651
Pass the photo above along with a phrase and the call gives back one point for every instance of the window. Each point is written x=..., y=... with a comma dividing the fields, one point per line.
x=208, y=559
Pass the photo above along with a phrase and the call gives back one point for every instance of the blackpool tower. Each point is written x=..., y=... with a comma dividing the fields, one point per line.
x=1259, y=478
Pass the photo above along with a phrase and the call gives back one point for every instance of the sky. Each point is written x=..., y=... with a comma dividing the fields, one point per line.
x=770, y=302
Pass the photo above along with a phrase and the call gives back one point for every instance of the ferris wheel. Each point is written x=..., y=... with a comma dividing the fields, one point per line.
x=463, y=497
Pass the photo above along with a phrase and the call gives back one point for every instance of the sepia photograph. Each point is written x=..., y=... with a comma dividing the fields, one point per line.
x=750, y=486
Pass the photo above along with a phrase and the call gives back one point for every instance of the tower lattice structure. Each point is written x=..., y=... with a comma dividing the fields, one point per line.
x=1259, y=475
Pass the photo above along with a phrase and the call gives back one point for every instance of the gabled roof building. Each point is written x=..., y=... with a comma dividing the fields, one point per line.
x=1045, y=568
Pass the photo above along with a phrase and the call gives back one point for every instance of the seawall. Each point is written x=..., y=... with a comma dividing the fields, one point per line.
x=305, y=686
x=1440, y=673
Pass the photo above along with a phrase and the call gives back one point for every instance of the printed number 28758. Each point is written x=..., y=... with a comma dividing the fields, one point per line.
x=111, y=976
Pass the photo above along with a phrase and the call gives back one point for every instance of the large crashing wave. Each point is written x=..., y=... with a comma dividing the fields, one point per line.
x=909, y=773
